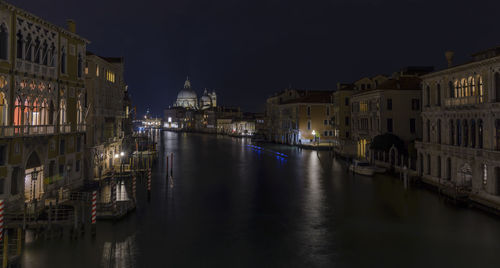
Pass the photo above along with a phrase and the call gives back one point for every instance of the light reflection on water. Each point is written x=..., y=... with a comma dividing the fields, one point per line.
x=232, y=206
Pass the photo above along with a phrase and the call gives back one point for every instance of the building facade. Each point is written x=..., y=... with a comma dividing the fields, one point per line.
x=387, y=105
x=461, y=127
x=105, y=95
x=42, y=106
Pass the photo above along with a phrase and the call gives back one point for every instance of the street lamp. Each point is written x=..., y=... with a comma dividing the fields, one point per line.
x=34, y=176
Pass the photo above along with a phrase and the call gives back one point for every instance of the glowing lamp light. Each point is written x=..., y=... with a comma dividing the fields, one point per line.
x=122, y=154
x=117, y=155
x=314, y=132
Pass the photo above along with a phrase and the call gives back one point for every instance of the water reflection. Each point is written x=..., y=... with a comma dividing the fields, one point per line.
x=119, y=254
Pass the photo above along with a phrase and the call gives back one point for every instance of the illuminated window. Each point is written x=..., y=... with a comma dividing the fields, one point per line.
x=480, y=88
x=472, y=85
x=3, y=110
x=18, y=112
x=97, y=71
x=485, y=174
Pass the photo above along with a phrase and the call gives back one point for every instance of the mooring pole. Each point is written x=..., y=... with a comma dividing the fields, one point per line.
x=5, y=260
x=172, y=164
x=149, y=185
x=94, y=213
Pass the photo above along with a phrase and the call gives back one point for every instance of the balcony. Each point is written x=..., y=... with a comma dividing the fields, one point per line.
x=34, y=68
x=65, y=129
x=464, y=101
x=19, y=131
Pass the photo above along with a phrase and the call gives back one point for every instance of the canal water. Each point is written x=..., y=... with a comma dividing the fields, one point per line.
x=233, y=206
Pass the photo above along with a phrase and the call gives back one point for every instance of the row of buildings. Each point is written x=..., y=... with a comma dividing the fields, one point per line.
x=444, y=125
x=189, y=113
x=64, y=112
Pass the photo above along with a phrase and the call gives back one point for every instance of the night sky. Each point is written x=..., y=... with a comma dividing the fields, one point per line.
x=248, y=49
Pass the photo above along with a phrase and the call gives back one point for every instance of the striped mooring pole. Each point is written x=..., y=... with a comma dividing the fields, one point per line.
x=134, y=187
x=113, y=193
x=94, y=211
x=1, y=219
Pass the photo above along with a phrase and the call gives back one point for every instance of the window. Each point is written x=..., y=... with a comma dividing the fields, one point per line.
x=439, y=130
x=452, y=133
x=63, y=60
x=412, y=125
x=61, y=146
x=328, y=110
x=459, y=133
x=326, y=133
x=438, y=162
x=451, y=89
x=389, y=104
x=97, y=70
x=309, y=124
x=80, y=65
x=473, y=134
x=308, y=110
x=36, y=59
x=44, y=53
x=77, y=166
x=19, y=45
x=497, y=134
x=347, y=120
x=3, y=149
x=4, y=42
x=2, y=182
x=27, y=49
x=466, y=133
x=331, y=133
x=346, y=101
x=428, y=130
x=480, y=133
x=438, y=99
x=347, y=134
x=428, y=95
x=389, y=124
x=415, y=105
x=325, y=122
x=429, y=164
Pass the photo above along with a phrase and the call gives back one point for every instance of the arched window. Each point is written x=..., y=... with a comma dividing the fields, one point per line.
x=466, y=133
x=62, y=112
x=480, y=133
x=429, y=164
x=63, y=60
x=459, y=133
x=35, y=113
x=428, y=95
x=438, y=97
x=80, y=65
x=451, y=89
x=456, y=89
x=44, y=53
x=18, y=112
x=37, y=51
x=3, y=110
x=438, y=162
x=20, y=45
x=428, y=130
x=497, y=87
x=439, y=130
x=465, y=88
x=473, y=133
x=27, y=49
x=4, y=42
x=472, y=85
x=51, y=55
x=452, y=132
x=480, y=88
x=79, y=113
x=448, y=168
x=44, y=113
x=26, y=112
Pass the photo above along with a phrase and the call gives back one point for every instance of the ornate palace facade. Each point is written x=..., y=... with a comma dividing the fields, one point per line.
x=42, y=103
x=461, y=126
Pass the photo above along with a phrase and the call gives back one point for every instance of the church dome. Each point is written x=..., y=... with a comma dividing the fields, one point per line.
x=187, y=93
x=187, y=97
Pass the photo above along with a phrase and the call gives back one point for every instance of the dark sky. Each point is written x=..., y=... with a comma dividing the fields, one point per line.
x=247, y=49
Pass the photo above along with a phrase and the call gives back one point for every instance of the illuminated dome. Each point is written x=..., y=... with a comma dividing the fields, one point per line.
x=205, y=101
x=187, y=98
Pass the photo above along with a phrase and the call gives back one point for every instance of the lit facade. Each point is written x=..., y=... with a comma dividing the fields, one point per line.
x=461, y=127
x=42, y=106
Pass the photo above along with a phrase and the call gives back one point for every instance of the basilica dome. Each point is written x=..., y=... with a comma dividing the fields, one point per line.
x=187, y=98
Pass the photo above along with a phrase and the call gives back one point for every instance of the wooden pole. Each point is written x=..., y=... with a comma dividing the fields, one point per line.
x=5, y=260
x=19, y=241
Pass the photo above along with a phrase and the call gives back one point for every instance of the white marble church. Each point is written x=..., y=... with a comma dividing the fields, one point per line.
x=187, y=98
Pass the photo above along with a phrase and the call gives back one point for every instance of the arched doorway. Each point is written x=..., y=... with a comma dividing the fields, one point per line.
x=33, y=178
x=464, y=176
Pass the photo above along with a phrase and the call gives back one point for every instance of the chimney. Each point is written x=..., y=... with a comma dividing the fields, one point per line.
x=449, y=57
x=71, y=26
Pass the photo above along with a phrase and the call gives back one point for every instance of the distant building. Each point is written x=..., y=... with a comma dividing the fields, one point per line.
x=382, y=105
x=300, y=116
x=461, y=127
x=187, y=98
